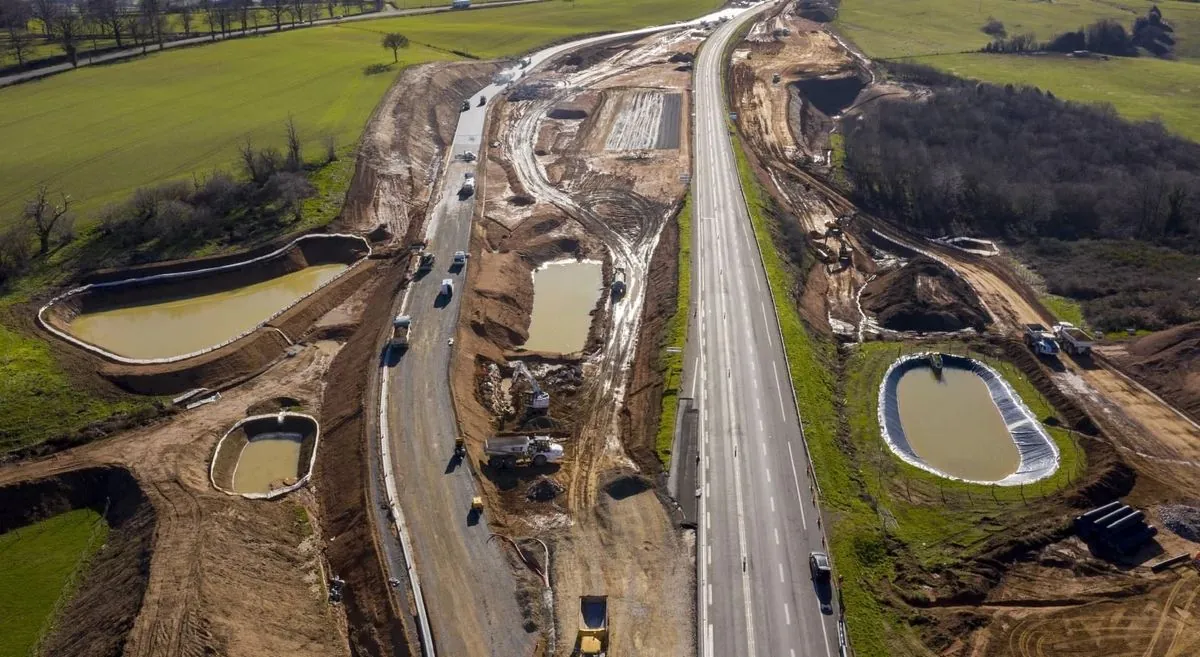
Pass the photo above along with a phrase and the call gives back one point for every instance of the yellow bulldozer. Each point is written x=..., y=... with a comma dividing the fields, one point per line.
x=592, y=640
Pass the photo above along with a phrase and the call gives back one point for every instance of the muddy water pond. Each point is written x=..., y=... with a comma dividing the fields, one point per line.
x=951, y=422
x=269, y=461
x=177, y=326
x=564, y=294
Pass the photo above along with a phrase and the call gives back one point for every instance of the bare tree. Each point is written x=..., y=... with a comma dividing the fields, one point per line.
x=185, y=19
x=153, y=18
x=48, y=218
x=108, y=13
x=46, y=11
x=331, y=154
x=297, y=11
x=395, y=42
x=277, y=8
x=243, y=9
x=68, y=30
x=210, y=17
x=312, y=11
x=14, y=19
x=331, y=6
x=295, y=158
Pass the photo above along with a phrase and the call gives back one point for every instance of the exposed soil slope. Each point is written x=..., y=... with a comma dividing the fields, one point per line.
x=924, y=296
x=1168, y=362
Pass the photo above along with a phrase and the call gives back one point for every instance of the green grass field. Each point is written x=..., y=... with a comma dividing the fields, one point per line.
x=97, y=133
x=937, y=32
x=675, y=337
x=36, y=563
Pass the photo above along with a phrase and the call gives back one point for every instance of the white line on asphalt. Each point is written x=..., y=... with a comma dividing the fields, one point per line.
x=776, y=536
x=825, y=633
x=767, y=471
x=762, y=446
x=760, y=430
x=781, y=580
x=779, y=390
x=792, y=458
x=787, y=612
x=709, y=595
x=772, y=504
x=770, y=341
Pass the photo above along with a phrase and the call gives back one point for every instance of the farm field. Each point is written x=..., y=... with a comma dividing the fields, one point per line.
x=944, y=34
x=97, y=133
x=36, y=562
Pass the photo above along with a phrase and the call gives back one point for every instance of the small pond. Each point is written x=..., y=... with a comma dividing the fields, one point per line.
x=564, y=294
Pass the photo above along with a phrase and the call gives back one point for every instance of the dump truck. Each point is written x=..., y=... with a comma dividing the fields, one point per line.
x=400, y=327
x=512, y=451
x=593, y=626
x=618, y=285
x=1039, y=340
x=1073, y=339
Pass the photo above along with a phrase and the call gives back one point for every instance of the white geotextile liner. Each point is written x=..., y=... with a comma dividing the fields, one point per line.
x=1038, y=453
x=275, y=492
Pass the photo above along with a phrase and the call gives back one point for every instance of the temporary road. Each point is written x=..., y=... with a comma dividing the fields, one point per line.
x=758, y=520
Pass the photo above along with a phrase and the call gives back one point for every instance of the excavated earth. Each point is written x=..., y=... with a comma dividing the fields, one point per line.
x=924, y=296
x=1167, y=362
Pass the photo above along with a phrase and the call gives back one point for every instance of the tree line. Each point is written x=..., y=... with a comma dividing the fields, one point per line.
x=78, y=26
x=1019, y=164
x=170, y=219
x=1106, y=36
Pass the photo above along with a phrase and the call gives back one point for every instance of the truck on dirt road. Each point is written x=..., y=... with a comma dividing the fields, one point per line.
x=1039, y=340
x=1073, y=339
x=400, y=327
x=512, y=451
x=592, y=639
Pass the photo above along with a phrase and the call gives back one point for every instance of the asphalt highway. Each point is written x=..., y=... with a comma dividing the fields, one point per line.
x=757, y=518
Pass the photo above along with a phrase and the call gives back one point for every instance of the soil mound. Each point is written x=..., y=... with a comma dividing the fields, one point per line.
x=1169, y=363
x=96, y=622
x=924, y=296
x=627, y=486
x=544, y=490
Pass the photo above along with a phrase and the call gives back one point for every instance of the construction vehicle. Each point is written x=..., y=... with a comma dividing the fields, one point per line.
x=592, y=639
x=466, y=105
x=468, y=186
x=512, y=451
x=425, y=262
x=775, y=78
x=482, y=101
x=618, y=284
x=1039, y=340
x=539, y=400
x=400, y=327
x=447, y=288
x=1073, y=339
x=460, y=448
x=468, y=156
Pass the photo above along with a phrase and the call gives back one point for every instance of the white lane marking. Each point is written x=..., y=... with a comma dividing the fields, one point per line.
x=761, y=430
x=770, y=341
x=787, y=612
x=781, y=580
x=767, y=471
x=776, y=536
x=762, y=447
x=772, y=504
x=779, y=390
x=825, y=633
x=709, y=586
x=796, y=477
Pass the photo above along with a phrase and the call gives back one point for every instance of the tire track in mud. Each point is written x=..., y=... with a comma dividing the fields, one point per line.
x=174, y=585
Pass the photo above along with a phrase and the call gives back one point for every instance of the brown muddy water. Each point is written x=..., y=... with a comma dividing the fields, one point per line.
x=181, y=326
x=268, y=461
x=564, y=294
x=952, y=423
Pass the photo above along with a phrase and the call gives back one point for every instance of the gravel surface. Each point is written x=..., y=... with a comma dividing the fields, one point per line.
x=1183, y=520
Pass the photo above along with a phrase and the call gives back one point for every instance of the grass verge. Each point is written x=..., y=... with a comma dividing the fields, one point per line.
x=40, y=567
x=1064, y=309
x=675, y=338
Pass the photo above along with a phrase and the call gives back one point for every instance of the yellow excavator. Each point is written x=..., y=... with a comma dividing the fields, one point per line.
x=593, y=626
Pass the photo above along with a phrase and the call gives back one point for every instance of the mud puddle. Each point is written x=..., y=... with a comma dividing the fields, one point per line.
x=564, y=294
x=952, y=423
x=267, y=462
x=185, y=325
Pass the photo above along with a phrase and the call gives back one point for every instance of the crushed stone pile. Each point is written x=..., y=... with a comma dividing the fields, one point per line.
x=1183, y=520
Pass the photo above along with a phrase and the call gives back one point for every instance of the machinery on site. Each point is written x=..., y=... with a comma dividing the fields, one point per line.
x=468, y=186
x=466, y=105
x=425, y=261
x=1039, y=340
x=618, y=285
x=468, y=156
x=482, y=101
x=400, y=327
x=539, y=400
x=1074, y=340
x=592, y=639
x=512, y=451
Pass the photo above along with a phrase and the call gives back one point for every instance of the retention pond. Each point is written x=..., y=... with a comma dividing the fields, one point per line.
x=190, y=323
x=168, y=312
x=564, y=294
x=962, y=421
x=265, y=456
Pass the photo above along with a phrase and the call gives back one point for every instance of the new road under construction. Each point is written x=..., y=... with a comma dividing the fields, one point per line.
x=601, y=358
